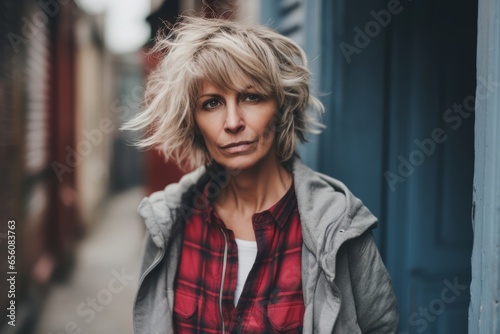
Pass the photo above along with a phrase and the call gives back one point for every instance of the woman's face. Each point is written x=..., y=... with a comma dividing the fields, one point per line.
x=237, y=126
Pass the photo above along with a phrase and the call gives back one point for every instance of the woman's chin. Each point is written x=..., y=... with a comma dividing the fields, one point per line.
x=236, y=167
x=239, y=164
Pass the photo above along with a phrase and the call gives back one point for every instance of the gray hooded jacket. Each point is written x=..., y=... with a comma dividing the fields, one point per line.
x=346, y=287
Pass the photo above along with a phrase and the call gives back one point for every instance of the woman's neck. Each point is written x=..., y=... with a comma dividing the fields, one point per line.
x=256, y=189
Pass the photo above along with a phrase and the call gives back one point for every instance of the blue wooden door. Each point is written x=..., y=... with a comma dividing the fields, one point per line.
x=400, y=78
x=432, y=82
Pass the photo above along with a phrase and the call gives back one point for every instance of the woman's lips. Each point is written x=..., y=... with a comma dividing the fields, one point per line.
x=238, y=147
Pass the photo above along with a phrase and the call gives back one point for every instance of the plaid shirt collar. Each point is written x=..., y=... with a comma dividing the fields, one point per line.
x=278, y=214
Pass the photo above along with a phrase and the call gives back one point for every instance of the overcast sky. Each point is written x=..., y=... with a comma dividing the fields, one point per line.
x=126, y=28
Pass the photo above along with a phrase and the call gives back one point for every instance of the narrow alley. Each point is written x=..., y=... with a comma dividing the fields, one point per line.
x=98, y=296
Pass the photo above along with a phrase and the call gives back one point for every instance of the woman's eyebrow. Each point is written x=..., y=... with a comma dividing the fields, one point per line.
x=248, y=88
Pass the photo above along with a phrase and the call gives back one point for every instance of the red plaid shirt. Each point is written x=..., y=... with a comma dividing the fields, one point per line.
x=271, y=300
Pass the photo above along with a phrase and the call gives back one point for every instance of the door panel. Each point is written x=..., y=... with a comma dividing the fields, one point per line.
x=429, y=214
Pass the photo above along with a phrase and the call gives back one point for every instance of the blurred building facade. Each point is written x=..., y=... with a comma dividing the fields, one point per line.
x=57, y=90
x=38, y=99
x=95, y=125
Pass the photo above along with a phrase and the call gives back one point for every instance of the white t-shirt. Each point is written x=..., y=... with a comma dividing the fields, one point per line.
x=247, y=252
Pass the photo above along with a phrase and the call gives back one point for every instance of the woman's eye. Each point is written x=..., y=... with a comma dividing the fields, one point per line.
x=211, y=104
x=253, y=98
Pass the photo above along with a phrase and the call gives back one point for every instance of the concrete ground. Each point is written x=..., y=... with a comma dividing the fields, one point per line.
x=99, y=294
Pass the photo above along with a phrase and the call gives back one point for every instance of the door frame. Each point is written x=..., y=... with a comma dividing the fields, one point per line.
x=484, y=309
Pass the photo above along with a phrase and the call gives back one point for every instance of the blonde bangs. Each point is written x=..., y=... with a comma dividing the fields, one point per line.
x=230, y=69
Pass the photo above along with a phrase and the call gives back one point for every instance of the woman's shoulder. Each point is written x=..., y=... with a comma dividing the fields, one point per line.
x=156, y=209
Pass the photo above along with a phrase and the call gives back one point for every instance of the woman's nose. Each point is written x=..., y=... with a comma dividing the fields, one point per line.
x=234, y=122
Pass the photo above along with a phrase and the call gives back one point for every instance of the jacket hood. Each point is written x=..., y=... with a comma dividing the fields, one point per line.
x=160, y=210
x=330, y=214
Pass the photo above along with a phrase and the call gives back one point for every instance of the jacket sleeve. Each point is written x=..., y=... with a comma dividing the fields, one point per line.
x=376, y=306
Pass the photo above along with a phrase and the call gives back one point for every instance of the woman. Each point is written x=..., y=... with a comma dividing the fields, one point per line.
x=252, y=241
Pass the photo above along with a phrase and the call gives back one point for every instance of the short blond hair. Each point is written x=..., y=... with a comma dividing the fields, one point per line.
x=216, y=50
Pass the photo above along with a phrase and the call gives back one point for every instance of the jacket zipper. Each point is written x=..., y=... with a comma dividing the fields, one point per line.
x=222, y=281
